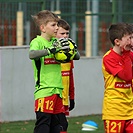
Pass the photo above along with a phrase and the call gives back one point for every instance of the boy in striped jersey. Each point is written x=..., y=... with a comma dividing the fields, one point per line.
x=117, y=111
x=67, y=76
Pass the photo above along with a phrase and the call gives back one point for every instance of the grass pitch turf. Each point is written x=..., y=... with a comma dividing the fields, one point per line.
x=75, y=125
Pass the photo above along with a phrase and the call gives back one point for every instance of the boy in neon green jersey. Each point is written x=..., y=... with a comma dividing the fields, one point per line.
x=47, y=74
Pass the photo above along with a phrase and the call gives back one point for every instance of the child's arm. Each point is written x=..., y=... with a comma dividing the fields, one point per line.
x=77, y=56
x=126, y=72
x=71, y=88
x=119, y=67
x=35, y=54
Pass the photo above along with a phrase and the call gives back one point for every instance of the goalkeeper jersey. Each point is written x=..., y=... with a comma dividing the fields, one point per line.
x=118, y=95
x=47, y=72
x=68, y=82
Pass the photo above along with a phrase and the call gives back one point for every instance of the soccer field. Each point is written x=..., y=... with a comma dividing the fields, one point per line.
x=75, y=125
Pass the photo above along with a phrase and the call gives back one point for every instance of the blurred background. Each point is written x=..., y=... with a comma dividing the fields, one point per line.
x=89, y=21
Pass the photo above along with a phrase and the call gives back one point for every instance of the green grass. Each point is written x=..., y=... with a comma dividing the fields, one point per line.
x=75, y=125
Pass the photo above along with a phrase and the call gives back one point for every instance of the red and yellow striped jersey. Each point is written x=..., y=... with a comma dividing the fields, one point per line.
x=118, y=95
x=68, y=82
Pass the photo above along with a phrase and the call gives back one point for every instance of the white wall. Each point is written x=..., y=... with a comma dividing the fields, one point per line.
x=88, y=86
x=17, y=85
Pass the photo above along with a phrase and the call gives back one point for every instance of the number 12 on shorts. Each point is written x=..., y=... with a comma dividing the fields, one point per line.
x=49, y=105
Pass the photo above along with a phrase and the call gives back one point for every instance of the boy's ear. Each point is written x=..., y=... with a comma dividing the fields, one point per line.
x=42, y=28
x=116, y=41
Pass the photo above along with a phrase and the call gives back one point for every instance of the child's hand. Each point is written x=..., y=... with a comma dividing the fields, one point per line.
x=52, y=50
x=61, y=44
x=72, y=104
x=64, y=43
x=74, y=44
x=126, y=48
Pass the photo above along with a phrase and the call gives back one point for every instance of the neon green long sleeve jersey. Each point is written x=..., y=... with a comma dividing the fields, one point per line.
x=47, y=72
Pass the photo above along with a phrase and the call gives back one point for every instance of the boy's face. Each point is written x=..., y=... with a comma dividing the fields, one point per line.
x=132, y=41
x=125, y=42
x=62, y=33
x=50, y=29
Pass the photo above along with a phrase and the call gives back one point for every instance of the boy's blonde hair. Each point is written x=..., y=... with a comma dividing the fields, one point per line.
x=43, y=17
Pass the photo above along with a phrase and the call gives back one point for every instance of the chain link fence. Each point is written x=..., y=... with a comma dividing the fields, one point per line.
x=89, y=21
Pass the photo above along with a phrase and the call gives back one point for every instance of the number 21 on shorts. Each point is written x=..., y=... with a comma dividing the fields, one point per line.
x=113, y=126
